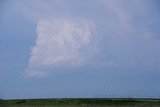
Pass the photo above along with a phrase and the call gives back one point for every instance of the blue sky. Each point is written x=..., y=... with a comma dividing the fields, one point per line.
x=94, y=48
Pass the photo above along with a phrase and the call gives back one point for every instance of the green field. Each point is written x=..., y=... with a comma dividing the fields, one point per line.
x=82, y=102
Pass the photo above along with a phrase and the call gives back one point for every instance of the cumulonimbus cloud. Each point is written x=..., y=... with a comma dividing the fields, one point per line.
x=62, y=42
x=68, y=34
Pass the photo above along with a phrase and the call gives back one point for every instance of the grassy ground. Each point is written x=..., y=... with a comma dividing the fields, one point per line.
x=83, y=102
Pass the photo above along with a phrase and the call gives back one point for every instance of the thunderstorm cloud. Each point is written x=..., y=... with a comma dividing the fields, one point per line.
x=118, y=34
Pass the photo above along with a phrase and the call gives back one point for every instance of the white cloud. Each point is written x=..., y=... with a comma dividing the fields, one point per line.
x=69, y=38
x=62, y=42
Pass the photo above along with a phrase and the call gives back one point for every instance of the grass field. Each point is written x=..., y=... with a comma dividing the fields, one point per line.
x=82, y=102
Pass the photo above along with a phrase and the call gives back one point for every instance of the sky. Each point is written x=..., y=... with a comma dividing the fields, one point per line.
x=79, y=48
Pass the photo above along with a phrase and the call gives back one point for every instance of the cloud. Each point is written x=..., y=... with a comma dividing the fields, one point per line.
x=62, y=42
x=110, y=33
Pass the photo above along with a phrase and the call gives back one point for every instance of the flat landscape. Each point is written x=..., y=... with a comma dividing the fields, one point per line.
x=82, y=102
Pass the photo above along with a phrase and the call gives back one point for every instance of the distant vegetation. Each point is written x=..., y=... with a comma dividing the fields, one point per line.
x=81, y=102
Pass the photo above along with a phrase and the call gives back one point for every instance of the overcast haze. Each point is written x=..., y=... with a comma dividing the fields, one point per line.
x=79, y=48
